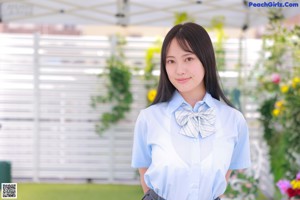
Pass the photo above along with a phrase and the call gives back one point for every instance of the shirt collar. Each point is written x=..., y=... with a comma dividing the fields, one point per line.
x=177, y=100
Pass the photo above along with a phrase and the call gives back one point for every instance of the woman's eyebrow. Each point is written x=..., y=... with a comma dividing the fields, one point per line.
x=170, y=56
x=187, y=54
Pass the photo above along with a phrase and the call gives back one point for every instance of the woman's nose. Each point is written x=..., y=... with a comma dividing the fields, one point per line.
x=180, y=68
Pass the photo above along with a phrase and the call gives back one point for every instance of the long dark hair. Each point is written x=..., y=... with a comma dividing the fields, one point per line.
x=190, y=36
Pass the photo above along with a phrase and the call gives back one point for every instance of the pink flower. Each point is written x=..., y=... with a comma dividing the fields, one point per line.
x=275, y=78
x=283, y=185
x=298, y=176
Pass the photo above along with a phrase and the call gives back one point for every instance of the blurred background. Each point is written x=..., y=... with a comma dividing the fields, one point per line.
x=75, y=74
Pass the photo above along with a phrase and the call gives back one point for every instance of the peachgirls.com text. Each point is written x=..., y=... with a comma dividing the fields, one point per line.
x=272, y=4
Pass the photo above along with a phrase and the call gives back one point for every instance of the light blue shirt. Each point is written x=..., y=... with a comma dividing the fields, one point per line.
x=185, y=168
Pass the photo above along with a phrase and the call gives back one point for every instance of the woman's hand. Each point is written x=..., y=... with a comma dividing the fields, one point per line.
x=142, y=172
x=228, y=175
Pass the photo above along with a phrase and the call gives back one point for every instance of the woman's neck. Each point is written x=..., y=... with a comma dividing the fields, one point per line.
x=193, y=97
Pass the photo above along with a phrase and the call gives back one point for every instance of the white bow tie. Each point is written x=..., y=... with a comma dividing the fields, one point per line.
x=194, y=123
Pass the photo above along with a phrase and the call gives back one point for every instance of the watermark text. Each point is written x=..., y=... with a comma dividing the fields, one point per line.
x=273, y=4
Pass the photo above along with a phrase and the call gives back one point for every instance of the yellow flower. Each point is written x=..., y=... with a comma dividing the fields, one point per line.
x=295, y=82
x=151, y=95
x=279, y=104
x=276, y=112
x=295, y=184
x=284, y=88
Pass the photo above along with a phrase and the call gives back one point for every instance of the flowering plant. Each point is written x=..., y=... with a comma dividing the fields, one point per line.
x=151, y=95
x=290, y=188
x=287, y=112
x=290, y=98
x=278, y=93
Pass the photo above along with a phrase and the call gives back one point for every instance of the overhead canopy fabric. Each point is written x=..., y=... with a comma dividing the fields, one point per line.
x=237, y=13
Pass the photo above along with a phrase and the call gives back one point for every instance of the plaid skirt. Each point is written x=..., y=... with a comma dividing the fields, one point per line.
x=151, y=195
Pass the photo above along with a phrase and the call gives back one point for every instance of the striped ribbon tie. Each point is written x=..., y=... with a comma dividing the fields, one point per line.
x=194, y=123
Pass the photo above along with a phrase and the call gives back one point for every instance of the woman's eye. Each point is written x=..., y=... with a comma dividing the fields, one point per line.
x=170, y=61
x=189, y=59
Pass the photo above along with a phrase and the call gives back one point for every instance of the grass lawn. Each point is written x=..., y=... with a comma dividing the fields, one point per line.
x=30, y=191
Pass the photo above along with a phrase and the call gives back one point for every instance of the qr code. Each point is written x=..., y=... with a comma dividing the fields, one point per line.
x=9, y=190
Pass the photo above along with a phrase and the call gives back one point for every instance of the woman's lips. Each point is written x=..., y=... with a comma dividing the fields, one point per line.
x=182, y=80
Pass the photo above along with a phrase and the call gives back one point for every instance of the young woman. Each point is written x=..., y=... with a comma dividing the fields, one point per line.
x=188, y=141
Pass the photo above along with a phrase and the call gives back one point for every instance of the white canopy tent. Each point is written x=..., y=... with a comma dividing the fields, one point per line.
x=237, y=13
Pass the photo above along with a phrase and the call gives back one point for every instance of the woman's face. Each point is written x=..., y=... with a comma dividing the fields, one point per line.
x=185, y=70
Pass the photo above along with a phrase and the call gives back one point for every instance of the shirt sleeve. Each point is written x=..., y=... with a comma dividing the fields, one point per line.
x=141, y=151
x=241, y=153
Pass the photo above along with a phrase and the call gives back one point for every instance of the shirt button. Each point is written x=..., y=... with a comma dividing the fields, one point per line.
x=194, y=186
